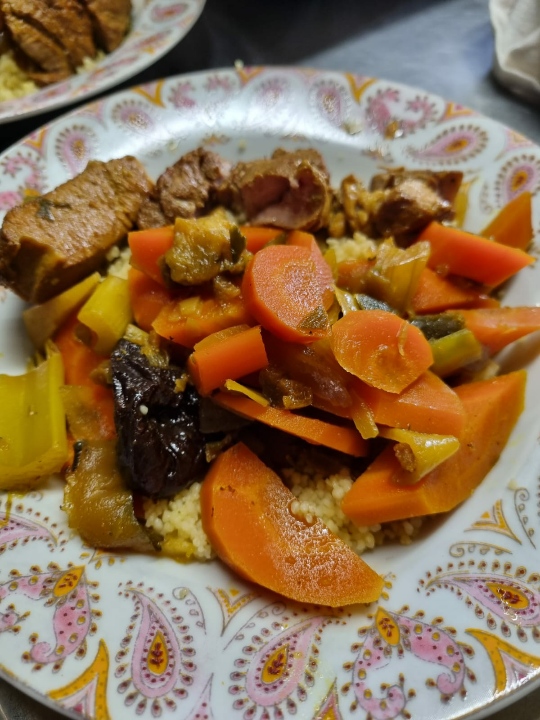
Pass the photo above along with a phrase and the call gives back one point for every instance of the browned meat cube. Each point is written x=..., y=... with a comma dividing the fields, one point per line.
x=63, y=21
x=445, y=183
x=43, y=50
x=186, y=189
x=111, y=20
x=290, y=190
x=52, y=242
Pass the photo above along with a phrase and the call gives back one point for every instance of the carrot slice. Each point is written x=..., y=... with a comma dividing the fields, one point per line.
x=324, y=271
x=458, y=252
x=188, y=321
x=492, y=408
x=257, y=236
x=344, y=438
x=428, y=405
x=147, y=247
x=498, y=327
x=227, y=358
x=381, y=349
x=512, y=225
x=246, y=513
x=436, y=293
x=282, y=290
x=147, y=298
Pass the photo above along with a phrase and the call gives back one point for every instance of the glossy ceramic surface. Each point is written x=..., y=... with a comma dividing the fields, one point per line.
x=457, y=629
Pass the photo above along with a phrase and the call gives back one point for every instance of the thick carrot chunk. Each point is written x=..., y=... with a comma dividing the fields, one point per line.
x=428, y=405
x=492, y=408
x=344, y=438
x=461, y=253
x=381, y=349
x=246, y=513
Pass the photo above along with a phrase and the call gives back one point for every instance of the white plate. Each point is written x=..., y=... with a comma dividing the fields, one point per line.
x=457, y=630
x=157, y=26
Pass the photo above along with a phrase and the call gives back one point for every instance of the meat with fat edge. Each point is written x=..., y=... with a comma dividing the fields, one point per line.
x=51, y=242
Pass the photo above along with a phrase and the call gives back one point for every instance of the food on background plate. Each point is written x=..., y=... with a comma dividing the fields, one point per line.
x=310, y=387
x=46, y=42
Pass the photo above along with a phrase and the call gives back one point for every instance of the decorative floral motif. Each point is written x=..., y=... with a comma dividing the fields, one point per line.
x=388, y=108
x=452, y=146
x=87, y=694
x=68, y=592
x=512, y=667
x=389, y=639
x=495, y=521
x=26, y=178
x=163, y=665
x=168, y=13
x=277, y=670
x=74, y=147
x=517, y=175
x=194, y=642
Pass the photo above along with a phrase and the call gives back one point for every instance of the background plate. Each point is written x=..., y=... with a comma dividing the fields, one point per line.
x=457, y=629
x=157, y=26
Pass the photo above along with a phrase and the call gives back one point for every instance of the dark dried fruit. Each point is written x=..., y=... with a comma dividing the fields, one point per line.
x=160, y=447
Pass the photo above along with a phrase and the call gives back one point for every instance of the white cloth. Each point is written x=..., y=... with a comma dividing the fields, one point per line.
x=516, y=25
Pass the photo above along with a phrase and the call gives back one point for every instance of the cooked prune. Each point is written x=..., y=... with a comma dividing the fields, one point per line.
x=160, y=447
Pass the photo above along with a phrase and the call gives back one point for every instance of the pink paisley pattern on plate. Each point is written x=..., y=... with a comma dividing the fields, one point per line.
x=385, y=108
x=67, y=591
x=27, y=174
x=517, y=175
x=166, y=13
x=507, y=598
x=452, y=146
x=179, y=95
x=134, y=116
x=75, y=146
x=331, y=102
x=392, y=636
x=278, y=669
x=162, y=663
x=15, y=529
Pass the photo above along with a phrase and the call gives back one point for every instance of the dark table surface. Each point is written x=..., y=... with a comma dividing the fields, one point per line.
x=443, y=46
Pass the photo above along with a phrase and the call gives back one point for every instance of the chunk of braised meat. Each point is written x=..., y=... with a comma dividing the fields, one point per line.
x=63, y=22
x=445, y=183
x=187, y=189
x=160, y=447
x=42, y=52
x=53, y=241
x=290, y=190
x=111, y=19
x=398, y=205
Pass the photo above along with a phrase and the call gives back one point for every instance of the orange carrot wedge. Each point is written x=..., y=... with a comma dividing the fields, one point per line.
x=492, y=408
x=246, y=514
x=512, y=225
x=282, y=290
x=228, y=357
x=471, y=256
x=188, y=321
x=324, y=271
x=79, y=361
x=428, y=405
x=147, y=298
x=257, y=236
x=381, y=349
x=147, y=246
x=498, y=327
x=344, y=438
x=436, y=293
